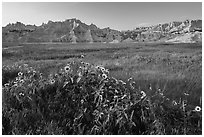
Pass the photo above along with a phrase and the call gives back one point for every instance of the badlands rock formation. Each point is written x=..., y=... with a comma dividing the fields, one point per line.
x=74, y=31
x=169, y=32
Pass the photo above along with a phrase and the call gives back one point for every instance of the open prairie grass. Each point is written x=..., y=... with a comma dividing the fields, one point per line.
x=174, y=69
x=176, y=65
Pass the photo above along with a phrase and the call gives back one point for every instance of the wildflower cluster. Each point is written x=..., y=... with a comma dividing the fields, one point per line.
x=83, y=99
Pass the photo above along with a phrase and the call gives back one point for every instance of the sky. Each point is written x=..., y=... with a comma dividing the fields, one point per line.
x=116, y=15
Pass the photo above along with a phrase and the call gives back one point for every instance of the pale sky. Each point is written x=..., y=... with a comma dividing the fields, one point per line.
x=116, y=15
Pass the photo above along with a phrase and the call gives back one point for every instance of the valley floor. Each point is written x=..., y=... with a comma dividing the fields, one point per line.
x=175, y=68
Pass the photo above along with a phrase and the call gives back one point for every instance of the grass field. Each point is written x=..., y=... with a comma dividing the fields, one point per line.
x=176, y=68
x=57, y=93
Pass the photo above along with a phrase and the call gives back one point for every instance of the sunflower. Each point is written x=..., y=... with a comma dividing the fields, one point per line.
x=20, y=74
x=102, y=68
x=6, y=85
x=130, y=79
x=80, y=74
x=97, y=67
x=174, y=103
x=21, y=94
x=87, y=64
x=104, y=76
x=143, y=94
x=67, y=68
x=21, y=81
x=186, y=94
x=52, y=81
x=197, y=109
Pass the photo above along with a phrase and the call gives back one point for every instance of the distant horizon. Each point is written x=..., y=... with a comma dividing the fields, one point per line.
x=115, y=15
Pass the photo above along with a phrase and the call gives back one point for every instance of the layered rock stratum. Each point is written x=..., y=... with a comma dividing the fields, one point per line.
x=75, y=31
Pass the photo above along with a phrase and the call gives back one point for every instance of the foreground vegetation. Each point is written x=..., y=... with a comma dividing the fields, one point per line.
x=163, y=95
x=83, y=99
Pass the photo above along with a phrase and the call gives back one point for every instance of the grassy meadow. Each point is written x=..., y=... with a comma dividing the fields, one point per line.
x=174, y=69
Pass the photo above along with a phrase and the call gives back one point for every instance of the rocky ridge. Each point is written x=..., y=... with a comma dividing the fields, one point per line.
x=74, y=31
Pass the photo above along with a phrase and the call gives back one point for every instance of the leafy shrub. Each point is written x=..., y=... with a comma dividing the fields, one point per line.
x=84, y=99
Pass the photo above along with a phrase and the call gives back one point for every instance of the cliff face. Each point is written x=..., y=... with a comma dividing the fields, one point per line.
x=73, y=31
x=168, y=31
